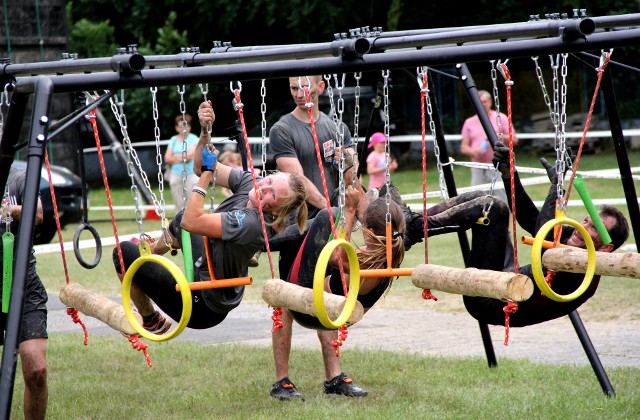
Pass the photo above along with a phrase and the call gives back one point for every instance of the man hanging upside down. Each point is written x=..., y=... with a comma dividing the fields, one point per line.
x=462, y=212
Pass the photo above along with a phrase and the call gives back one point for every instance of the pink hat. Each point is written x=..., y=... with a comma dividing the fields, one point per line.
x=376, y=138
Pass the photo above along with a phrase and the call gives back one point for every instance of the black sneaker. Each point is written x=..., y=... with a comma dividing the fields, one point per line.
x=343, y=385
x=284, y=390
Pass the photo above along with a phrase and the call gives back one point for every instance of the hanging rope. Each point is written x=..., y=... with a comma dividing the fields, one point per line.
x=70, y=311
x=511, y=307
x=239, y=107
x=424, y=100
x=133, y=339
x=337, y=120
x=604, y=60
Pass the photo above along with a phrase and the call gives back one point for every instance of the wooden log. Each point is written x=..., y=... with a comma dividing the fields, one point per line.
x=574, y=260
x=281, y=294
x=473, y=282
x=97, y=306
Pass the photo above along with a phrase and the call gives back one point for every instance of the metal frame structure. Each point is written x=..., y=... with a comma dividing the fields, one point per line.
x=362, y=50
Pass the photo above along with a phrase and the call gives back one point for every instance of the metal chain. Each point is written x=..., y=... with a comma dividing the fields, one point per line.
x=387, y=148
x=6, y=205
x=117, y=107
x=356, y=124
x=561, y=146
x=444, y=194
x=263, y=126
x=183, y=111
x=156, y=132
x=545, y=94
x=204, y=89
x=496, y=97
x=342, y=189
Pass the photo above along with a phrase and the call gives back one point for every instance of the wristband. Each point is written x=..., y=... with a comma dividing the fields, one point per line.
x=200, y=191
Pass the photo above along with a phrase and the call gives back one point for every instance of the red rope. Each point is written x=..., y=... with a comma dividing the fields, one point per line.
x=94, y=125
x=512, y=164
x=511, y=308
x=277, y=322
x=594, y=98
x=56, y=216
x=140, y=346
x=314, y=134
x=548, y=278
x=426, y=293
x=342, y=336
x=75, y=317
x=240, y=108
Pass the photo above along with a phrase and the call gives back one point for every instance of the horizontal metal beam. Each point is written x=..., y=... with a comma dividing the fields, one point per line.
x=359, y=44
x=370, y=62
x=572, y=28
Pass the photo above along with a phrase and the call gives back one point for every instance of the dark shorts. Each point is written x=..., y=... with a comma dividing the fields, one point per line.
x=34, y=315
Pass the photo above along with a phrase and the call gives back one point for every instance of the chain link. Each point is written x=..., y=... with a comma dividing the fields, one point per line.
x=561, y=144
x=545, y=94
x=117, y=107
x=156, y=132
x=263, y=126
x=6, y=206
x=356, y=125
x=496, y=97
x=444, y=194
x=387, y=148
x=183, y=111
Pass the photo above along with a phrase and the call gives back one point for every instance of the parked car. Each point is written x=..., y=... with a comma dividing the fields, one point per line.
x=68, y=190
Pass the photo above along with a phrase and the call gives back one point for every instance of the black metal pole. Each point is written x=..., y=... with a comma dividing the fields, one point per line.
x=390, y=59
x=10, y=135
x=444, y=161
x=621, y=153
x=548, y=28
x=42, y=90
x=354, y=47
x=472, y=91
x=596, y=364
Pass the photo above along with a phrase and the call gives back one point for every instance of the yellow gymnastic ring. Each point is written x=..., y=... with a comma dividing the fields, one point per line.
x=318, y=284
x=146, y=256
x=536, y=260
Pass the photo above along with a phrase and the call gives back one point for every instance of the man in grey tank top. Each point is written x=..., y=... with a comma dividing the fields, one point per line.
x=292, y=143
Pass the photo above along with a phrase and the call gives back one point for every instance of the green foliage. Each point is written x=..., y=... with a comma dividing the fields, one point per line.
x=91, y=39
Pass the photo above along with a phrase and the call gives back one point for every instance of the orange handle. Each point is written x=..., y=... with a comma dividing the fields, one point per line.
x=528, y=240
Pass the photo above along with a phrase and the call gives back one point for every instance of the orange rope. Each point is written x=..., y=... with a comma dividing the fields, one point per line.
x=75, y=317
x=426, y=293
x=603, y=64
x=325, y=189
x=140, y=346
x=342, y=336
x=512, y=165
x=509, y=309
x=277, y=322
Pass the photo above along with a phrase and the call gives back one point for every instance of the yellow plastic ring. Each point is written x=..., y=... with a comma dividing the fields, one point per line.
x=318, y=284
x=536, y=260
x=185, y=292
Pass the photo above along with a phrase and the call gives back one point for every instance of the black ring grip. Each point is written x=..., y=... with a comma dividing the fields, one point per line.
x=76, y=246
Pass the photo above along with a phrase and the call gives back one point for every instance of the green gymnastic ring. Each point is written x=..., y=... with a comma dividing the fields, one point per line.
x=145, y=257
x=318, y=284
x=536, y=260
